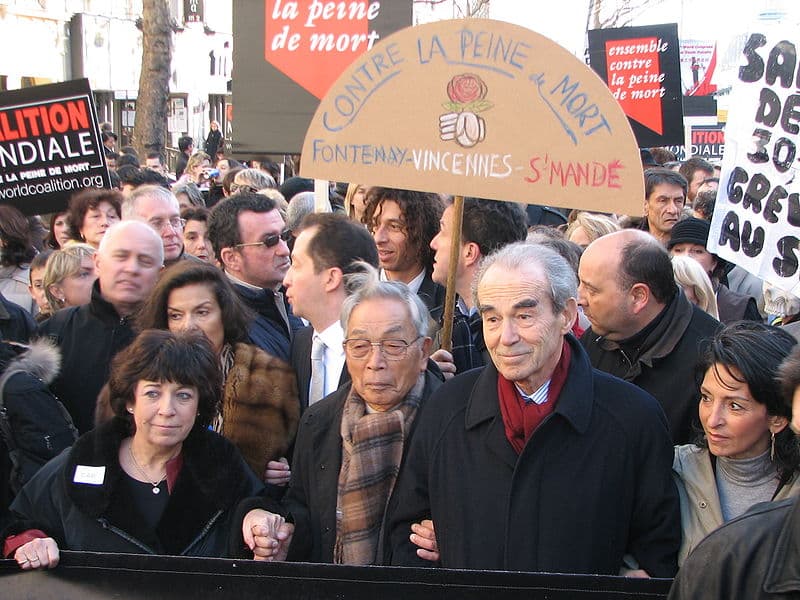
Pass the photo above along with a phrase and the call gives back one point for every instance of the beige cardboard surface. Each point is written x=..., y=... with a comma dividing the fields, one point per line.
x=478, y=108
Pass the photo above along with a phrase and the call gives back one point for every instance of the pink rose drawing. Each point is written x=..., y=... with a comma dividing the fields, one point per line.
x=466, y=88
x=467, y=93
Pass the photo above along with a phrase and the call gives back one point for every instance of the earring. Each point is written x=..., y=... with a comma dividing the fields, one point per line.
x=772, y=450
x=130, y=410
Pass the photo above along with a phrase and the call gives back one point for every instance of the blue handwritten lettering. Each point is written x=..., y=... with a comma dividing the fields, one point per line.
x=434, y=47
x=569, y=101
x=490, y=51
x=372, y=74
x=494, y=47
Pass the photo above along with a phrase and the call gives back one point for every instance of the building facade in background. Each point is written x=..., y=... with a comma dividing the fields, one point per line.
x=47, y=41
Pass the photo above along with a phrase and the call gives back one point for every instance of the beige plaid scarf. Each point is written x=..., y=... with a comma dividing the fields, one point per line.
x=372, y=448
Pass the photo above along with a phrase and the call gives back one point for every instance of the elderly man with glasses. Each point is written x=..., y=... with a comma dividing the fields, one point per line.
x=350, y=444
x=249, y=239
x=159, y=208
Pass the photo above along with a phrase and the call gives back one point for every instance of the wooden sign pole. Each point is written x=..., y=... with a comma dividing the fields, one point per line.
x=446, y=342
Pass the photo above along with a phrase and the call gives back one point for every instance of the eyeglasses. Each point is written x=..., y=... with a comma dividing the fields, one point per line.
x=175, y=222
x=271, y=240
x=360, y=348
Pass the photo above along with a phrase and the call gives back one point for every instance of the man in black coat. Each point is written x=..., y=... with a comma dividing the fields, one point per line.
x=186, y=147
x=128, y=262
x=644, y=329
x=350, y=445
x=538, y=462
x=249, y=239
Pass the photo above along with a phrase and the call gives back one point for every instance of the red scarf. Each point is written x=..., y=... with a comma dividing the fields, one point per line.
x=521, y=418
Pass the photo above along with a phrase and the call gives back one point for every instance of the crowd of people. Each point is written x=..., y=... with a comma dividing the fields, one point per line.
x=203, y=365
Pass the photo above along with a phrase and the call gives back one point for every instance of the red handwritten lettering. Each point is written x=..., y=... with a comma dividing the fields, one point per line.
x=573, y=173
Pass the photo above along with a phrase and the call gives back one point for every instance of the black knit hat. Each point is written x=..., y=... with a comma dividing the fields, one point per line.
x=689, y=231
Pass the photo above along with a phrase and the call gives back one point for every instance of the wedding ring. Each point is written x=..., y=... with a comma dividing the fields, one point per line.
x=35, y=559
x=24, y=562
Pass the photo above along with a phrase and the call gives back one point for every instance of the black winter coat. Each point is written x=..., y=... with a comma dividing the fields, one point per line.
x=16, y=323
x=268, y=330
x=592, y=484
x=310, y=501
x=753, y=557
x=38, y=425
x=89, y=336
x=666, y=363
x=199, y=519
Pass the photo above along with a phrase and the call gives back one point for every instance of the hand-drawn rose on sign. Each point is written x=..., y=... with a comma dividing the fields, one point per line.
x=467, y=93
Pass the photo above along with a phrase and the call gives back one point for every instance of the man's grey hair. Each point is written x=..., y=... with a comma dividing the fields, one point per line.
x=145, y=191
x=515, y=257
x=120, y=227
x=367, y=285
x=301, y=204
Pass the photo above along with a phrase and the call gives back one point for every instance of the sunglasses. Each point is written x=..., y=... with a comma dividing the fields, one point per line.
x=271, y=240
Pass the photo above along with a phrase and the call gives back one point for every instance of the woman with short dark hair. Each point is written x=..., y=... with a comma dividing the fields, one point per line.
x=91, y=212
x=747, y=453
x=152, y=480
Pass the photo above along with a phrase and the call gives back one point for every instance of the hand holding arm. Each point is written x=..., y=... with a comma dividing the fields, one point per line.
x=424, y=536
x=444, y=360
x=268, y=535
x=278, y=472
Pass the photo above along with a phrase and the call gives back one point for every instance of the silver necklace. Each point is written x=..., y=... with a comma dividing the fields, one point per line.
x=155, y=484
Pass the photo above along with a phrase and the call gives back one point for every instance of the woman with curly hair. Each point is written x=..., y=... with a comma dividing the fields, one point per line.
x=91, y=212
x=747, y=453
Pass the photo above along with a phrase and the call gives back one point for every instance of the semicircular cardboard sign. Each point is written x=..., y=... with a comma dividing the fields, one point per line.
x=477, y=107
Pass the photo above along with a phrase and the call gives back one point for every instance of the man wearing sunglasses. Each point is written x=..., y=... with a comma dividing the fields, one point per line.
x=249, y=240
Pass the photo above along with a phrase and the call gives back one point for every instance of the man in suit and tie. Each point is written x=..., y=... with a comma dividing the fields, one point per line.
x=325, y=250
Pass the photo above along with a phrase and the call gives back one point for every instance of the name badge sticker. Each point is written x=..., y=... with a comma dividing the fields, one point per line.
x=89, y=475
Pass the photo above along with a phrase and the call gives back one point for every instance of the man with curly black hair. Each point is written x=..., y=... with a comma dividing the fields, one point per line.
x=403, y=223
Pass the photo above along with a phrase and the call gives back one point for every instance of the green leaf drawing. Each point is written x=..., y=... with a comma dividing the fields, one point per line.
x=479, y=106
x=453, y=106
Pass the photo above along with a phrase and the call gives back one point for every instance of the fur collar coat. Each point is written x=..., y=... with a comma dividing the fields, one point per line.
x=101, y=517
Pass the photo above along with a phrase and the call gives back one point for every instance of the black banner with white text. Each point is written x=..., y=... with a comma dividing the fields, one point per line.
x=49, y=146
